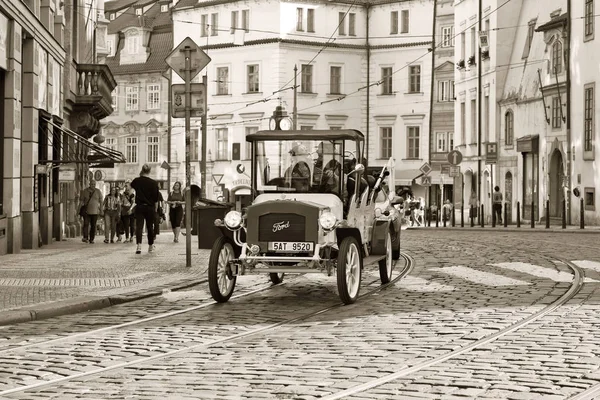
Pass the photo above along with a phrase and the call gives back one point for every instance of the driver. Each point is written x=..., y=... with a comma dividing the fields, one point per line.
x=298, y=174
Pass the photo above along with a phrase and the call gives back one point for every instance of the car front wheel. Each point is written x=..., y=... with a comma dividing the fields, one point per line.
x=276, y=278
x=220, y=281
x=349, y=267
x=385, y=265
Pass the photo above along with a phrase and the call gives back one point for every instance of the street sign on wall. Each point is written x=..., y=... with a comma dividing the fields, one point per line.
x=455, y=157
x=198, y=106
x=491, y=153
x=454, y=171
x=198, y=59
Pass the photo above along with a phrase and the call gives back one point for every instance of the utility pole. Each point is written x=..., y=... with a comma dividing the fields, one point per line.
x=188, y=192
x=479, y=112
x=569, y=156
x=203, y=144
x=295, y=109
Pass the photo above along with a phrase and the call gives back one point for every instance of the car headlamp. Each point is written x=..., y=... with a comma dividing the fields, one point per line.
x=327, y=220
x=233, y=219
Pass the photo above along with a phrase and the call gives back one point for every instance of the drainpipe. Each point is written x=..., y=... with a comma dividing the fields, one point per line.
x=568, y=71
x=433, y=45
x=479, y=110
x=368, y=84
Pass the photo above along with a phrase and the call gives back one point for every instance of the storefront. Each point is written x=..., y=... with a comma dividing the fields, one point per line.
x=528, y=146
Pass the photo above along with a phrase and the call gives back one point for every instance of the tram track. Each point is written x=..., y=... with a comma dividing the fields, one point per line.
x=407, y=268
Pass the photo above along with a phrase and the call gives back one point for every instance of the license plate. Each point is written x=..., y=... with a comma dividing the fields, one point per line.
x=300, y=247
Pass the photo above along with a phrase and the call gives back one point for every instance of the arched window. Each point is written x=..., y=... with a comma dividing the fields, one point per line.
x=509, y=129
x=557, y=57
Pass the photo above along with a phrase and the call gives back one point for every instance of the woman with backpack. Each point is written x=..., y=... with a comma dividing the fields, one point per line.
x=112, y=212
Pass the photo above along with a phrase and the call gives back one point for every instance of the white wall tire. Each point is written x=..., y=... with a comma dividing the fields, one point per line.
x=220, y=285
x=385, y=265
x=349, y=268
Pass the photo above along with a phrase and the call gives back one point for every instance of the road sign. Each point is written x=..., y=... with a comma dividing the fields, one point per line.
x=454, y=171
x=491, y=153
x=198, y=58
x=455, y=157
x=198, y=106
x=445, y=169
x=426, y=180
x=425, y=168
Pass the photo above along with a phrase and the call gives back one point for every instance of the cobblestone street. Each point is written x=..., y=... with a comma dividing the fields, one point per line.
x=464, y=287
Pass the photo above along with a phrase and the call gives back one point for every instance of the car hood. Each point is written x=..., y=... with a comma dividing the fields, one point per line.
x=324, y=202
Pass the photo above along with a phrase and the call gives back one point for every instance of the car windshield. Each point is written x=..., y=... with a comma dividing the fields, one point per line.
x=302, y=166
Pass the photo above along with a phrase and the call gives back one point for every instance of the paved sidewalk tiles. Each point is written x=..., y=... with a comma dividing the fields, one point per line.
x=71, y=276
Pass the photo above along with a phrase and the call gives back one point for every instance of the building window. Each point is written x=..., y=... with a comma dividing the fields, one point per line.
x=246, y=20
x=204, y=25
x=109, y=46
x=529, y=39
x=463, y=46
x=222, y=145
x=234, y=18
x=588, y=136
x=214, y=24
x=589, y=19
x=557, y=57
x=352, y=24
x=194, y=144
x=249, y=130
x=138, y=11
x=509, y=128
x=405, y=21
x=310, y=20
x=153, y=97
x=307, y=78
x=589, y=198
x=556, y=122
x=152, y=149
x=111, y=143
x=486, y=115
x=413, y=141
x=133, y=43
x=446, y=91
x=473, y=121
x=386, y=142
x=386, y=80
x=473, y=42
x=164, y=7
x=447, y=36
x=132, y=149
x=114, y=96
x=299, y=19
x=341, y=23
x=335, y=80
x=112, y=16
x=253, y=79
x=463, y=123
x=223, y=80
x=131, y=98
x=394, y=22
x=415, y=78
x=441, y=142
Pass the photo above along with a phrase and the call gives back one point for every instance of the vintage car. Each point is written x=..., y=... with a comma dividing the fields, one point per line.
x=312, y=210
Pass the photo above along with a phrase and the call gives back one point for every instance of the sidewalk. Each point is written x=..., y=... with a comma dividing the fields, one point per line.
x=525, y=227
x=71, y=276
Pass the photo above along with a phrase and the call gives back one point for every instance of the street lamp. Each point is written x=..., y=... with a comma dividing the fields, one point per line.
x=280, y=121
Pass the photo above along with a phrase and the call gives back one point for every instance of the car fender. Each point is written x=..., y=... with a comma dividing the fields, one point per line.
x=342, y=233
x=380, y=230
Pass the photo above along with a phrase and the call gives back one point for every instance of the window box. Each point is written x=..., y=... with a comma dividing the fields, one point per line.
x=485, y=54
x=460, y=64
x=471, y=60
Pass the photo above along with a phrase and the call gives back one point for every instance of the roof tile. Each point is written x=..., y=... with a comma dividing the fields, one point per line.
x=161, y=45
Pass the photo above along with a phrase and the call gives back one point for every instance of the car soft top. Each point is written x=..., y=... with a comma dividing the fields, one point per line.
x=341, y=134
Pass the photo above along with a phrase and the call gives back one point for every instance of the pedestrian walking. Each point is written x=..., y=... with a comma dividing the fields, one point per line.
x=497, y=204
x=127, y=208
x=176, y=201
x=112, y=214
x=90, y=207
x=159, y=216
x=146, y=203
x=447, y=210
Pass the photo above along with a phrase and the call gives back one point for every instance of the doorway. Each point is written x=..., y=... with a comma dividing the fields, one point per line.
x=556, y=192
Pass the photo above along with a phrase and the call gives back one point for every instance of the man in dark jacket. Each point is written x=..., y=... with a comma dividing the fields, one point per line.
x=146, y=200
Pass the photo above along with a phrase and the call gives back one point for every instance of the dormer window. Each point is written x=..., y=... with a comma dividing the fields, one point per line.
x=133, y=43
x=557, y=57
x=138, y=11
x=164, y=7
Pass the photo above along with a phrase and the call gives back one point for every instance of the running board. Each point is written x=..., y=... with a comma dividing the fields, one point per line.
x=372, y=259
x=280, y=270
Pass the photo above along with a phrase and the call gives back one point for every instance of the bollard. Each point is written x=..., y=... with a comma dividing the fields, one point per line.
x=518, y=214
x=493, y=216
x=481, y=217
x=532, y=214
x=471, y=216
x=453, y=217
x=444, y=218
x=437, y=221
x=547, y=214
x=581, y=214
x=564, y=214
x=505, y=216
x=462, y=215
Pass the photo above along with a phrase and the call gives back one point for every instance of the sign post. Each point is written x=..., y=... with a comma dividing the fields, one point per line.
x=187, y=60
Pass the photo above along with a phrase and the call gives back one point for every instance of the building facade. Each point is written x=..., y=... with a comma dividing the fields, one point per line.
x=53, y=95
x=364, y=66
x=134, y=41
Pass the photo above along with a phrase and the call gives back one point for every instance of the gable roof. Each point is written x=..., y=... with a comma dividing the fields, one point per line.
x=160, y=44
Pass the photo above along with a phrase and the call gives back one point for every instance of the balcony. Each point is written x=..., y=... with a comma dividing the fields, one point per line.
x=94, y=86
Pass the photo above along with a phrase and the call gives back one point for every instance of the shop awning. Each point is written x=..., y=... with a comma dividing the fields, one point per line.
x=437, y=178
x=406, y=177
x=98, y=154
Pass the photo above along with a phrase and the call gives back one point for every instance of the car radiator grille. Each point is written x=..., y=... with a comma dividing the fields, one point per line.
x=281, y=228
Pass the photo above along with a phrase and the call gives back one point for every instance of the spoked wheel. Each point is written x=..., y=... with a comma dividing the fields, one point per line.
x=220, y=283
x=385, y=265
x=276, y=278
x=349, y=267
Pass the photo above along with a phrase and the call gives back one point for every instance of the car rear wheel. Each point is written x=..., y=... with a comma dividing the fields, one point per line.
x=349, y=267
x=276, y=278
x=220, y=282
x=385, y=265
x=396, y=246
